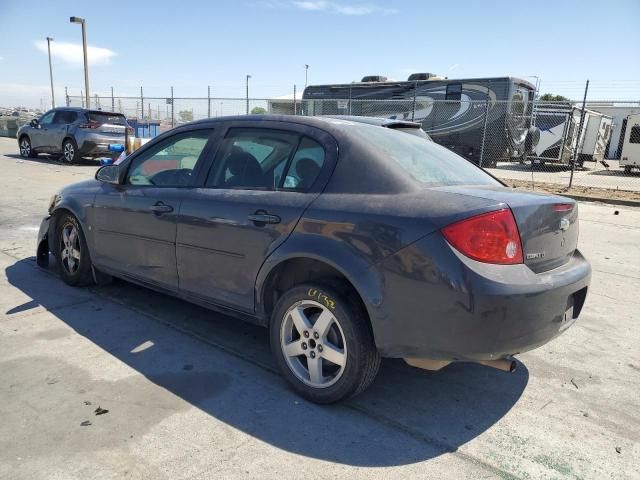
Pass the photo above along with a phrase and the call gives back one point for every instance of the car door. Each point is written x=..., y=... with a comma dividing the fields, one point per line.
x=39, y=136
x=254, y=194
x=135, y=222
x=58, y=129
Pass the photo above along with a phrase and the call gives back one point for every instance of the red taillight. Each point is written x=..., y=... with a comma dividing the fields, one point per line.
x=490, y=237
x=563, y=207
x=91, y=124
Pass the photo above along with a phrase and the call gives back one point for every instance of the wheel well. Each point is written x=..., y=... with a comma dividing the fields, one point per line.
x=304, y=270
x=24, y=135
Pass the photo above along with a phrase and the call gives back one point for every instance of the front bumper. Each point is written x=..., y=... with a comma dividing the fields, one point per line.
x=42, y=247
x=441, y=305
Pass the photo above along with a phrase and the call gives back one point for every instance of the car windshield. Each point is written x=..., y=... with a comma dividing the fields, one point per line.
x=104, y=117
x=426, y=162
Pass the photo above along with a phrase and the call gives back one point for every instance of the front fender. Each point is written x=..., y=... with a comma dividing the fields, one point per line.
x=334, y=253
x=79, y=206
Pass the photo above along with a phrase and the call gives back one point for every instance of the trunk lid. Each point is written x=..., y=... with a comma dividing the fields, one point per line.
x=548, y=224
x=108, y=123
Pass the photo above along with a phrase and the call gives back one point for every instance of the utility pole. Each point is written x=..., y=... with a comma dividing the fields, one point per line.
x=576, y=153
x=306, y=74
x=248, y=77
x=82, y=22
x=53, y=98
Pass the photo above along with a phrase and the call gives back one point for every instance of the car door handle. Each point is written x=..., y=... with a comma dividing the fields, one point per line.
x=160, y=207
x=263, y=217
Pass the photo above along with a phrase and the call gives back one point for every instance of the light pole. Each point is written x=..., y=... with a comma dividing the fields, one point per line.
x=82, y=22
x=248, y=77
x=53, y=98
x=306, y=74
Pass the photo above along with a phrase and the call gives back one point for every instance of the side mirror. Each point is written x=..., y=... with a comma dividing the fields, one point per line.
x=109, y=174
x=34, y=123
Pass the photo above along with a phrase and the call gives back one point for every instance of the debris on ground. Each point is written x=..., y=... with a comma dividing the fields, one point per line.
x=574, y=383
x=616, y=212
x=618, y=449
x=87, y=402
x=86, y=423
x=100, y=411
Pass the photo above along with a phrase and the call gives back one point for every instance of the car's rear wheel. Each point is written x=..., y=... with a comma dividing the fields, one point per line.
x=70, y=152
x=323, y=344
x=71, y=252
x=26, y=151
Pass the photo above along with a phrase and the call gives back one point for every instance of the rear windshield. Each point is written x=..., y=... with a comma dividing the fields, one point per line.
x=418, y=132
x=426, y=162
x=104, y=117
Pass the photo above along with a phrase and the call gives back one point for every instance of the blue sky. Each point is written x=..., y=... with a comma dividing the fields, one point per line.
x=192, y=44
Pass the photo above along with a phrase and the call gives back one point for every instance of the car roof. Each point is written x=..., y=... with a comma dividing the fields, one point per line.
x=380, y=121
x=84, y=110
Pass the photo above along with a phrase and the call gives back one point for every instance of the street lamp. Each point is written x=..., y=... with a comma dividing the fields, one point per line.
x=82, y=22
x=306, y=73
x=53, y=98
x=248, y=77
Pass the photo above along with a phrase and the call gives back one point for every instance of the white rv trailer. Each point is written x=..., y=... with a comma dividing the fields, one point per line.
x=597, y=127
x=630, y=155
x=559, y=142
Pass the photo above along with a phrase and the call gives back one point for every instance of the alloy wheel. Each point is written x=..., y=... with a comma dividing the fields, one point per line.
x=25, y=147
x=69, y=152
x=313, y=344
x=70, y=248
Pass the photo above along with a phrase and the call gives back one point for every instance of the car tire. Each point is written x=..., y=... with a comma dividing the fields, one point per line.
x=25, y=148
x=71, y=251
x=627, y=170
x=323, y=363
x=70, y=153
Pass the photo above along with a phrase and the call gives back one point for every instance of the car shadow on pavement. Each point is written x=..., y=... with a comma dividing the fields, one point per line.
x=407, y=416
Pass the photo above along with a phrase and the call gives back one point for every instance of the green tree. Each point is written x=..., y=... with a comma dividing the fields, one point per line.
x=186, y=115
x=258, y=111
x=550, y=97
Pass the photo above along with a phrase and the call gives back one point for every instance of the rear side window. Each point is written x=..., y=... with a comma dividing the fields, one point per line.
x=305, y=165
x=634, y=135
x=426, y=162
x=454, y=91
x=253, y=158
x=104, y=117
x=65, y=116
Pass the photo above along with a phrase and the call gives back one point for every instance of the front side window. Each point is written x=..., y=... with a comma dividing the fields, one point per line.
x=253, y=158
x=634, y=135
x=171, y=162
x=47, y=118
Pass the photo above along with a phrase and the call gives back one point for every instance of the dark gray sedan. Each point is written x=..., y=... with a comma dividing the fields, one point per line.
x=351, y=242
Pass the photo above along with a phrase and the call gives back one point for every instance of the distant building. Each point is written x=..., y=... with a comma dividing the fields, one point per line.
x=283, y=105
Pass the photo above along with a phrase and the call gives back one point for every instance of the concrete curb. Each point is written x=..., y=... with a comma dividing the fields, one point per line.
x=610, y=201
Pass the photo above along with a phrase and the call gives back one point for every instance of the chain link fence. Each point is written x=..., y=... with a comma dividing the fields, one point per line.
x=549, y=145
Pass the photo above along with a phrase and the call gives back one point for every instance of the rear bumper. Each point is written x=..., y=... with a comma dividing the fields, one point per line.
x=459, y=309
x=95, y=145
